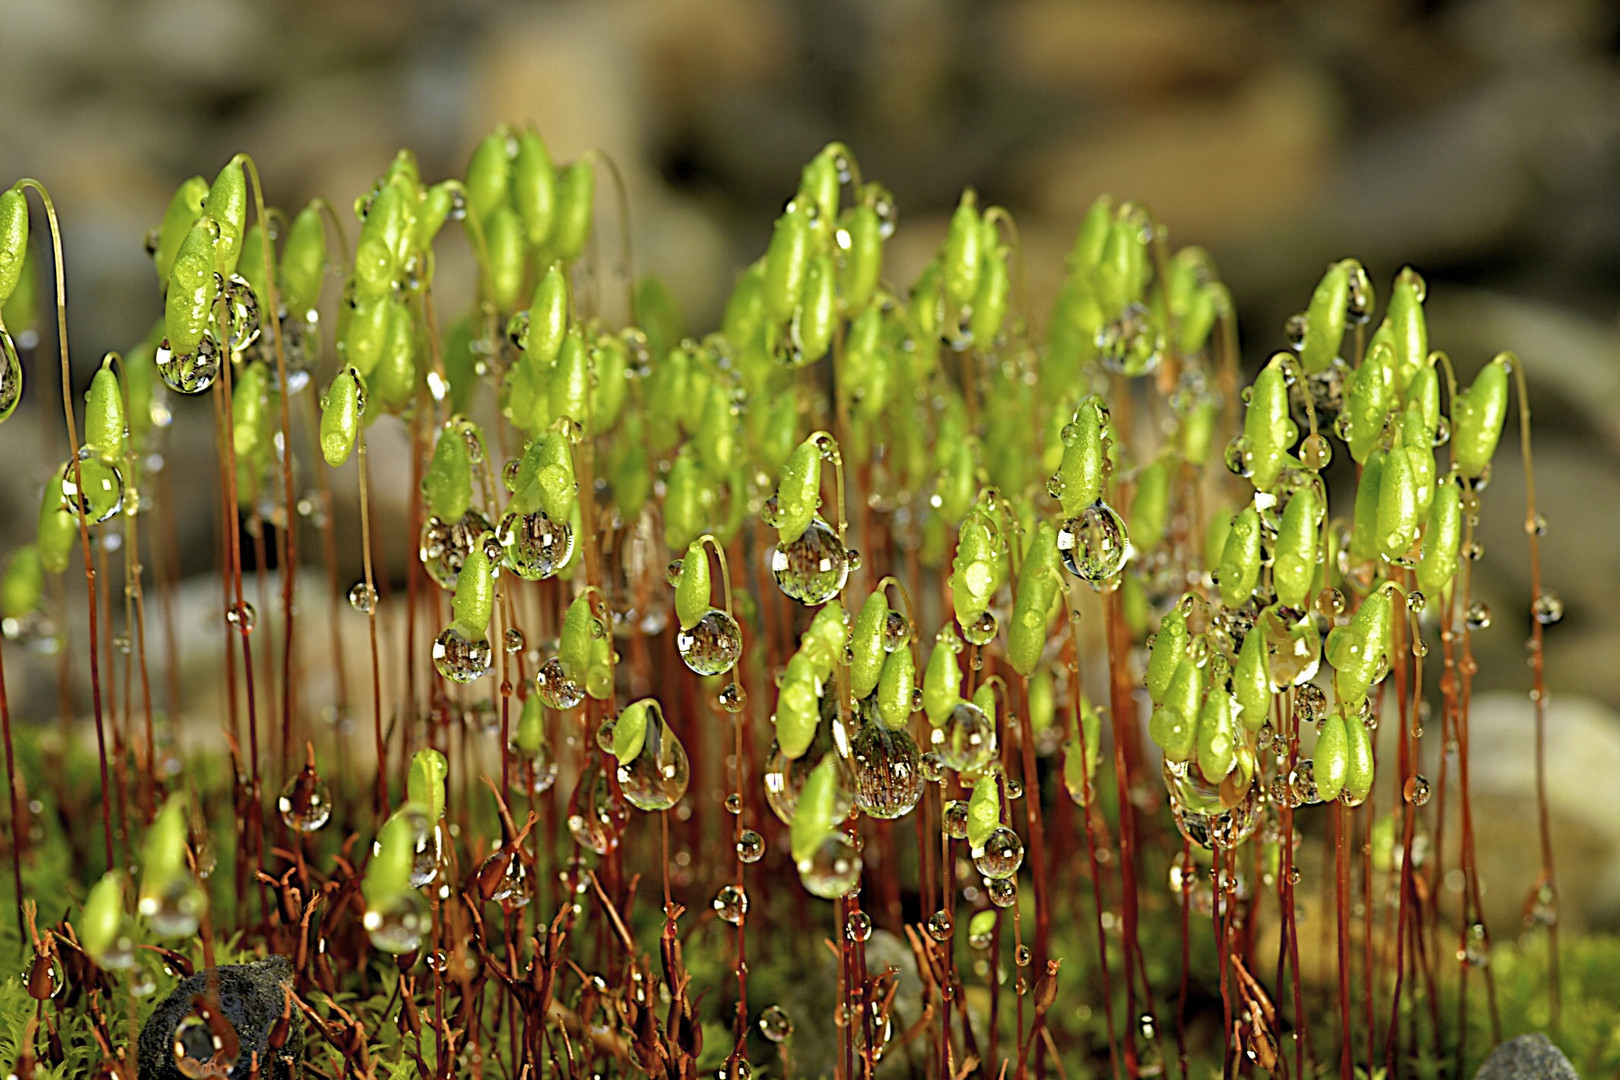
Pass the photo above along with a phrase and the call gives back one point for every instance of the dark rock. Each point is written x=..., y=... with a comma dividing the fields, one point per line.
x=1527, y=1057
x=253, y=998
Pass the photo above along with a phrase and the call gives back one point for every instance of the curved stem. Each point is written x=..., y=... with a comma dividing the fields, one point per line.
x=725, y=568
x=627, y=262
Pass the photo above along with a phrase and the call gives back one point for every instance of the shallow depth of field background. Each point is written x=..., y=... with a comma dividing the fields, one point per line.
x=1477, y=141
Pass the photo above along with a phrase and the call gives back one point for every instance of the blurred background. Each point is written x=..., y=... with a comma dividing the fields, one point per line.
x=1477, y=141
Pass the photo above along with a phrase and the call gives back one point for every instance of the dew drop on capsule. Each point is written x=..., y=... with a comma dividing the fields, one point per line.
x=533, y=772
x=1001, y=855
x=1093, y=546
x=712, y=645
x=1548, y=608
x=888, y=770
x=955, y=819
x=103, y=491
x=833, y=870
x=533, y=546
x=461, y=658
x=189, y=373
x=732, y=698
x=896, y=631
x=982, y=630
x=813, y=568
x=967, y=740
x=399, y=926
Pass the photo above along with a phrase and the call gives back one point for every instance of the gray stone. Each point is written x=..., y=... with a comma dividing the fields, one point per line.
x=1527, y=1057
x=252, y=997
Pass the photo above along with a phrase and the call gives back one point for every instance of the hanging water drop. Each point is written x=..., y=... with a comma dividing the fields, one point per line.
x=858, y=927
x=813, y=568
x=940, y=926
x=1094, y=546
x=888, y=772
x=189, y=373
x=555, y=688
x=731, y=904
x=1001, y=855
x=833, y=870
x=305, y=802
x=460, y=657
x=533, y=546
x=712, y=645
x=775, y=1024
x=363, y=598
x=750, y=846
x=399, y=926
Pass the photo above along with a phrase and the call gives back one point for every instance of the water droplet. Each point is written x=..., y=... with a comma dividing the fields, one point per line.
x=11, y=376
x=399, y=926
x=513, y=640
x=1003, y=892
x=1001, y=855
x=1022, y=957
x=1132, y=343
x=955, y=819
x=940, y=926
x=858, y=927
x=933, y=769
x=672, y=572
x=1239, y=456
x=813, y=568
x=888, y=772
x=189, y=373
x=1416, y=790
x=775, y=1024
x=241, y=312
x=363, y=598
x=242, y=616
x=656, y=778
x=833, y=870
x=1093, y=546
x=1315, y=452
x=505, y=879
x=1548, y=608
x=461, y=658
x=198, y=1051
x=734, y=803
x=103, y=487
x=731, y=904
x=750, y=846
x=176, y=908
x=596, y=813
x=896, y=631
x=982, y=630
x=1207, y=814
x=1310, y=703
x=305, y=802
x=443, y=546
x=1302, y=784
x=1015, y=788
x=1294, y=330
x=555, y=688
x=1478, y=616
x=533, y=546
x=732, y=698
x=533, y=772
x=712, y=645
x=966, y=742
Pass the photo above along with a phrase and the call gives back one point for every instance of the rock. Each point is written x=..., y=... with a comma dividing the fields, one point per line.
x=252, y=997
x=1527, y=1057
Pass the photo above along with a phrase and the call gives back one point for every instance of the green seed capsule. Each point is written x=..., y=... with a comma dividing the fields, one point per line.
x=448, y=482
x=1150, y=509
x=1442, y=540
x=104, y=423
x=13, y=240
x=819, y=181
x=1085, y=457
x=960, y=259
x=530, y=736
x=692, y=587
x=687, y=498
x=1477, y=416
x=433, y=213
x=798, y=710
x=976, y=572
x=658, y=314
x=251, y=266
x=1039, y=584
x=554, y=475
x=474, y=600
x=365, y=333
x=534, y=188
x=798, y=492
x=340, y=416
x=1251, y=680
x=942, y=683
x=488, y=174
x=227, y=205
x=425, y=784
x=388, y=874
x=1240, y=558
x=503, y=240
x=193, y=288
x=895, y=687
x=303, y=261
x=815, y=816
x=1358, y=650
x=574, y=642
x=21, y=311
x=103, y=916
x=184, y=209
x=1294, y=562
x=1423, y=393
x=58, y=531
x=1358, y=771
x=959, y=482
x=866, y=645
x=990, y=298
x=1408, y=327
x=1217, y=735
x=1398, y=515
x=1169, y=647
x=817, y=316
x=787, y=263
x=1325, y=318
x=1079, y=769
x=163, y=855
x=548, y=317
x=1197, y=433
x=1368, y=396
x=1174, y=724
x=1332, y=757
x=22, y=589
x=862, y=265
x=393, y=380
x=928, y=316
x=632, y=481
x=1364, y=544
x=250, y=416
x=376, y=261
x=571, y=380
x=984, y=807
x=1267, y=427
x=576, y=206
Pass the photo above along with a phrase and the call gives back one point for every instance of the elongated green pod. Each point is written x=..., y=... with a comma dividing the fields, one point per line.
x=1369, y=489
x=1442, y=541
x=303, y=261
x=959, y=480
x=1477, y=416
x=193, y=288
x=798, y=492
x=896, y=685
x=104, y=424
x=340, y=416
x=866, y=645
x=862, y=266
x=1358, y=650
x=393, y=380
x=960, y=261
x=1332, y=757
x=1408, y=327
x=1298, y=538
x=1397, y=515
x=1251, y=680
x=692, y=586
x=1197, y=433
x=376, y=261
x=1240, y=558
x=184, y=209
x=1358, y=772
x=474, y=600
x=1174, y=724
x=163, y=854
x=489, y=174
x=942, y=681
x=1150, y=509
x=448, y=482
x=1325, y=318
x=22, y=588
x=103, y=918
x=425, y=784
x=227, y=205
x=388, y=874
x=530, y=736
x=251, y=266
x=1169, y=648
x=580, y=628
x=818, y=311
x=58, y=530
x=1084, y=467
x=787, y=262
x=504, y=245
x=365, y=333
x=1368, y=397
x=1267, y=427
x=1217, y=735
x=1039, y=583
x=686, y=500
x=815, y=815
x=984, y=806
x=976, y=572
x=548, y=317
x=991, y=298
x=716, y=439
x=534, y=188
x=1417, y=441
x=250, y=416
x=820, y=183
x=13, y=240
x=576, y=210
x=1080, y=768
